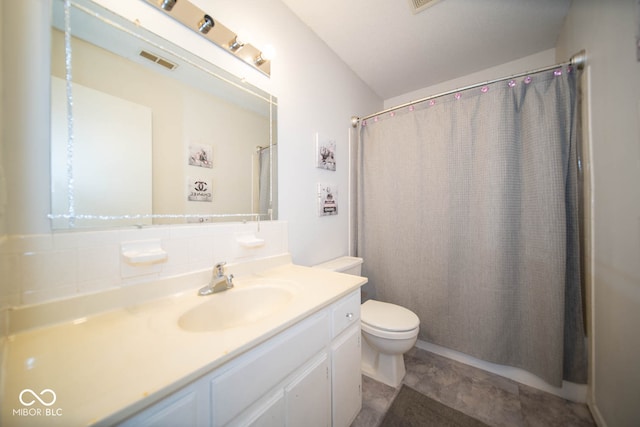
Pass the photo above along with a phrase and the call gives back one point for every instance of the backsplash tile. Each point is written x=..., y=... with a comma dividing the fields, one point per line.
x=30, y=297
x=41, y=268
x=51, y=269
x=29, y=243
x=97, y=262
x=200, y=251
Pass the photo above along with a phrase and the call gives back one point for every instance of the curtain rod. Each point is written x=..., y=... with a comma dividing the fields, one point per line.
x=578, y=60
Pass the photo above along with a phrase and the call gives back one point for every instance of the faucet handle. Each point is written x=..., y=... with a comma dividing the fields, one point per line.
x=219, y=268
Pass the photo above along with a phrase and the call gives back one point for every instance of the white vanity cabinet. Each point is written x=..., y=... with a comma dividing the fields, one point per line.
x=308, y=375
x=346, y=377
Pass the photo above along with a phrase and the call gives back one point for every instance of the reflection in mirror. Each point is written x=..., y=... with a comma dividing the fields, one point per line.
x=155, y=134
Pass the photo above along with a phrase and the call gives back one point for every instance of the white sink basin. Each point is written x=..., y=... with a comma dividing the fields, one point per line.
x=236, y=307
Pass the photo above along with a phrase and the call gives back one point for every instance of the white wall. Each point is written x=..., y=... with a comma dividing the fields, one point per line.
x=607, y=30
x=25, y=103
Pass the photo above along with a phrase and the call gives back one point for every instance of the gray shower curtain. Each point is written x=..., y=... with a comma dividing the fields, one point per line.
x=467, y=215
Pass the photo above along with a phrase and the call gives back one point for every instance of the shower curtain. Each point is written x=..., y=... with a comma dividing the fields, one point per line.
x=468, y=216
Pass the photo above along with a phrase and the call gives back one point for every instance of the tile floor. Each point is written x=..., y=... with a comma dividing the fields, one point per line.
x=490, y=398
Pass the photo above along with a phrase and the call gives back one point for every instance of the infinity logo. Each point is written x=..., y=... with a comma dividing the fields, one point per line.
x=36, y=397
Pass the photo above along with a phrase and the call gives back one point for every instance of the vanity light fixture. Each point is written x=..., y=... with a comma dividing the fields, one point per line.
x=167, y=4
x=206, y=24
x=199, y=21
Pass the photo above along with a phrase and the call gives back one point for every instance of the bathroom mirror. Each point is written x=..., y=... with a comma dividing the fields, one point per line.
x=156, y=135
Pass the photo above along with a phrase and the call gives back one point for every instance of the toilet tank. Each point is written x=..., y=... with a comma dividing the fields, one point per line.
x=346, y=264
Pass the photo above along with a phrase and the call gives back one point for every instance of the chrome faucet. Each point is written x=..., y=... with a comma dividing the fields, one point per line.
x=219, y=281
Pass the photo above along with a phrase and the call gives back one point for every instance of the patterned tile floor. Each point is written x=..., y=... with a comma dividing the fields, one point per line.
x=495, y=400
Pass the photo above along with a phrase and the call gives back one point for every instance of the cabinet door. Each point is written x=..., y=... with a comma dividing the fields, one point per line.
x=308, y=395
x=185, y=407
x=346, y=377
x=269, y=412
x=251, y=376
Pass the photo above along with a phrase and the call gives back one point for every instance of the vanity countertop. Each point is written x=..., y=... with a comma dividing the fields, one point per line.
x=105, y=367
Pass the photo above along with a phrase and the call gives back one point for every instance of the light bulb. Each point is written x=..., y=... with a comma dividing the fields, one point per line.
x=167, y=4
x=206, y=24
x=236, y=44
x=268, y=53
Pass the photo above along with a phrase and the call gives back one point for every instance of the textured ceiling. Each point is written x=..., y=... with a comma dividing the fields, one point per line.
x=395, y=51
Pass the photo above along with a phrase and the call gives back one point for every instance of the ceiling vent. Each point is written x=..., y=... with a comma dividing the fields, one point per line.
x=158, y=60
x=420, y=5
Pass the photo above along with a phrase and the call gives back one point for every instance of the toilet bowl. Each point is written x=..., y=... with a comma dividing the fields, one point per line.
x=388, y=330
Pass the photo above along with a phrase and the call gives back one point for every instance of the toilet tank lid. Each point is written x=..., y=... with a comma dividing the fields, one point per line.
x=340, y=264
x=389, y=317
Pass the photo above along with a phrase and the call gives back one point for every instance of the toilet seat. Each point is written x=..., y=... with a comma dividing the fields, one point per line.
x=390, y=335
x=387, y=320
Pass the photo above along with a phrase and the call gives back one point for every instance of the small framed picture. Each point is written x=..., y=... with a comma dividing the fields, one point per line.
x=327, y=199
x=325, y=154
x=201, y=155
x=199, y=190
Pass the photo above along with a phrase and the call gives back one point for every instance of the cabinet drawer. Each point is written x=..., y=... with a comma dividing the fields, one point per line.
x=346, y=313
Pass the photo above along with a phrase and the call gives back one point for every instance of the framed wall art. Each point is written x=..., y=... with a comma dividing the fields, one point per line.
x=201, y=155
x=325, y=154
x=199, y=190
x=327, y=199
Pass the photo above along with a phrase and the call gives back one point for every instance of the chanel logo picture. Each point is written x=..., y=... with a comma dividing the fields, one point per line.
x=199, y=190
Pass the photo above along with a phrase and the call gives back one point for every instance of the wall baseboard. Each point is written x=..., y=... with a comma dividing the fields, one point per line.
x=570, y=391
x=595, y=413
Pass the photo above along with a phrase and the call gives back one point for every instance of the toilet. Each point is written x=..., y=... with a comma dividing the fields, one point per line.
x=388, y=330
